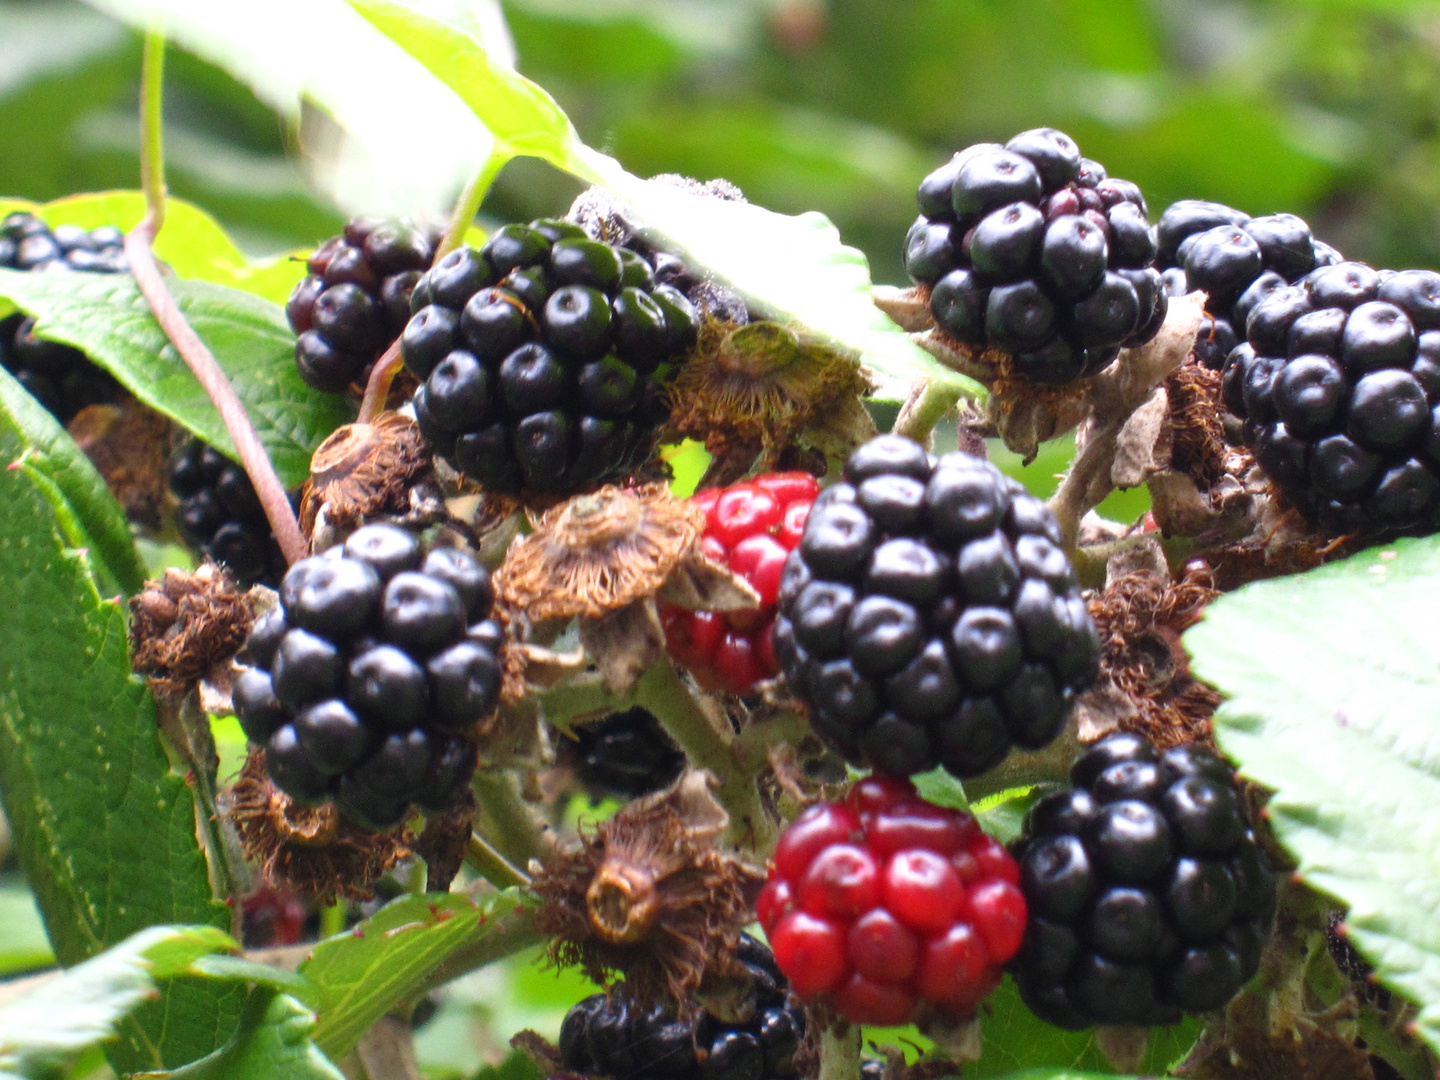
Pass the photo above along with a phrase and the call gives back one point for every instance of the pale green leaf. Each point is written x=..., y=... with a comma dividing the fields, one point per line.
x=23, y=945
x=271, y=1042
x=105, y=315
x=1333, y=686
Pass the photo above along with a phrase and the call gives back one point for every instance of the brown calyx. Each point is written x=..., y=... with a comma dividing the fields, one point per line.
x=129, y=445
x=363, y=471
x=1140, y=619
x=310, y=850
x=648, y=896
x=185, y=625
x=598, y=552
x=1197, y=437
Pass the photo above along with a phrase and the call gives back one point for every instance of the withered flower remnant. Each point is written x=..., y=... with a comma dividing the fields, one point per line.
x=363, y=471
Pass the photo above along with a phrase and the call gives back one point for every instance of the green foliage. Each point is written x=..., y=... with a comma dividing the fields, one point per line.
x=1333, y=684
x=105, y=315
x=44, y=1031
x=23, y=945
x=358, y=976
x=104, y=831
x=272, y=1040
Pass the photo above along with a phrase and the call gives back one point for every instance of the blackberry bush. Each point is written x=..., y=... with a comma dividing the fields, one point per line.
x=1338, y=386
x=1148, y=895
x=890, y=907
x=59, y=376
x=750, y=527
x=1238, y=260
x=606, y=1036
x=355, y=300
x=366, y=683
x=544, y=356
x=220, y=516
x=929, y=615
x=1033, y=250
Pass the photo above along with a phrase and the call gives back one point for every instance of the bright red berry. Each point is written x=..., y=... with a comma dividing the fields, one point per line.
x=750, y=528
x=888, y=904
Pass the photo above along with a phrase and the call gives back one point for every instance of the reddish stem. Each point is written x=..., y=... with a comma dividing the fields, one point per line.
x=377, y=387
x=202, y=362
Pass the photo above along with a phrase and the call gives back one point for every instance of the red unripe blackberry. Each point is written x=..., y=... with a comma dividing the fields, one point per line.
x=888, y=906
x=1030, y=249
x=751, y=527
x=928, y=615
x=355, y=300
x=1148, y=894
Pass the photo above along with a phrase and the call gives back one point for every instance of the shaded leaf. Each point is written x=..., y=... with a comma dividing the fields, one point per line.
x=105, y=315
x=1333, y=686
x=272, y=1041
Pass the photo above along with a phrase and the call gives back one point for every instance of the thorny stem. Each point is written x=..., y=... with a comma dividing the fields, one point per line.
x=467, y=206
x=141, y=257
x=517, y=833
x=927, y=405
x=840, y=1054
x=493, y=866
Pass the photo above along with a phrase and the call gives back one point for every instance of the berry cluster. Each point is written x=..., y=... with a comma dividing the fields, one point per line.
x=544, y=357
x=220, y=515
x=1339, y=390
x=58, y=376
x=355, y=300
x=1031, y=249
x=889, y=905
x=929, y=615
x=607, y=1037
x=1148, y=895
x=626, y=754
x=750, y=527
x=370, y=674
x=1237, y=260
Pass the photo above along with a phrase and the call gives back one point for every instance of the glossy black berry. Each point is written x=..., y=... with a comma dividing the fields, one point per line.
x=1144, y=886
x=929, y=616
x=219, y=515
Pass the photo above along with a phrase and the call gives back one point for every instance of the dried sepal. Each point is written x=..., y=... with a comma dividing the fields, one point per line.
x=624, y=643
x=443, y=842
x=598, y=552
x=748, y=392
x=310, y=850
x=649, y=896
x=364, y=471
x=185, y=627
x=527, y=668
x=129, y=445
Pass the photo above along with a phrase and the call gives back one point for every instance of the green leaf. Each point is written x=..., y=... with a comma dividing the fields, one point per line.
x=105, y=315
x=360, y=975
x=792, y=269
x=23, y=945
x=44, y=1031
x=1333, y=685
x=272, y=1041
x=69, y=477
x=105, y=832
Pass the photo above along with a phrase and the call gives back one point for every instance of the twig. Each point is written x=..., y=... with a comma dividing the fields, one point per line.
x=377, y=387
x=840, y=1054
x=927, y=405
x=141, y=257
x=516, y=831
x=493, y=866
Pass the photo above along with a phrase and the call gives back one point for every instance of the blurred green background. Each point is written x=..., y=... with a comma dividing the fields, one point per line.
x=1329, y=109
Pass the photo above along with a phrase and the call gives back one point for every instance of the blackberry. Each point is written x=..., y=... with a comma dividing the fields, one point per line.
x=1338, y=389
x=886, y=904
x=58, y=376
x=355, y=300
x=1238, y=260
x=1148, y=894
x=220, y=515
x=626, y=754
x=365, y=685
x=750, y=527
x=929, y=615
x=544, y=356
x=1031, y=249
x=611, y=1037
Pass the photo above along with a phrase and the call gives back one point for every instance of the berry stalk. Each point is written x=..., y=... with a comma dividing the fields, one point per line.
x=840, y=1054
x=141, y=256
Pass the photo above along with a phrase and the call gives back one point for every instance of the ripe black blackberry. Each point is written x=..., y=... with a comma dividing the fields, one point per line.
x=220, y=515
x=1238, y=260
x=1148, y=895
x=626, y=754
x=930, y=616
x=544, y=356
x=1338, y=386
x=607, y=1037
x=356, y=299
x=367, y=681
x=1031, y=249
x=59, y=376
